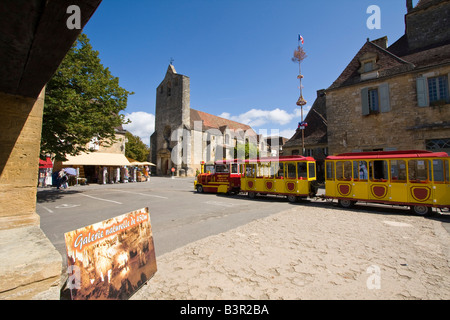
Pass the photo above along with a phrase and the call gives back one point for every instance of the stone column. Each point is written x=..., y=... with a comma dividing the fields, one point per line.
x=31, y=266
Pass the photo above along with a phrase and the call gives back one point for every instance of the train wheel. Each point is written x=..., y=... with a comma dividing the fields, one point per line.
x=199, y=188
x=421, y=210
x=252, y=195
x=347, y=204
x=292, y=198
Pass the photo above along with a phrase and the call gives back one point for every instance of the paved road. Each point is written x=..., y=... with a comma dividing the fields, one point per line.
x=179, y=215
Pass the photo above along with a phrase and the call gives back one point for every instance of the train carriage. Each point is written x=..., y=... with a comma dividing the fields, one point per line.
x=287, y=176
x=418, y=179
x=220, y=177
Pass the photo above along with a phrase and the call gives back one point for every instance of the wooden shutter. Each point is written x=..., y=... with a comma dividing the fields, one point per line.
x=448, y=92
x=422, y=92
x=385, y=104
x=365, y=101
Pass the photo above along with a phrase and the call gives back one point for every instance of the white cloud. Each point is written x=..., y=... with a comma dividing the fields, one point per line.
x=288, y=133
x=258, y=117
x=142, y=125
x=298, y=112
x=282, y=123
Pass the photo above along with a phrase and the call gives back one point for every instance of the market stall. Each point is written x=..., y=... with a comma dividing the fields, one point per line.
x=45, y=172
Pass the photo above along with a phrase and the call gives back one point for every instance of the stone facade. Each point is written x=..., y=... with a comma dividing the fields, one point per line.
x=405, y=127
x=185, y=137
x=117, y=147
x=172, y=112
x=383, y=100
x=428, y=23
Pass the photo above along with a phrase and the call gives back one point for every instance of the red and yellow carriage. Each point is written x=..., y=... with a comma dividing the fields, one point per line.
x=287, y=176
x=418, y=179
x=220, y=177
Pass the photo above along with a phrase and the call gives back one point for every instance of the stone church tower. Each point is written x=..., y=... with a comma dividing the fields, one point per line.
x=185, y=137
x=172, y=112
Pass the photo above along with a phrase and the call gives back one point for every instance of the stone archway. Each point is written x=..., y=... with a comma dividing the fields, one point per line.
x=165, y=166
x=163, y=163
x=32, y=45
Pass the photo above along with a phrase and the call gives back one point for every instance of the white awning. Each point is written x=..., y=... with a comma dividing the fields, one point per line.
x=97, y=159
x=145, y=163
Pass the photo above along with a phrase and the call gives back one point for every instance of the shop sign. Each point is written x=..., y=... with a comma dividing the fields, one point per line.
x=111, y=259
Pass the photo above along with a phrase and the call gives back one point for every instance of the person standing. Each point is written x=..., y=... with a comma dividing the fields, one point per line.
x=117, y=174
x=105, y=173
x=65, y=180
x=61, y=180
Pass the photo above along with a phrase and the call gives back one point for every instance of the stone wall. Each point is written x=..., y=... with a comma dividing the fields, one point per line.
x=406, y=126
x=424, y=26
x=117, y=147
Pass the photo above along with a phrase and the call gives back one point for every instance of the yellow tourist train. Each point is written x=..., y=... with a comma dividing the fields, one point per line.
x=417, y=179
x=290, y=176
x=286, y=176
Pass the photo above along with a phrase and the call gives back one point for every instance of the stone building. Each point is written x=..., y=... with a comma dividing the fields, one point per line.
x=274, y=145
x=105, y=163
x=396, y=97
x=185, y=137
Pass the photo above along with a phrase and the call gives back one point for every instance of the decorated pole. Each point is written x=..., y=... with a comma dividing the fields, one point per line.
x=299, y=56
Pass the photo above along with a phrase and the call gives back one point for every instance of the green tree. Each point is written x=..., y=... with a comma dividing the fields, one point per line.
x=249, y=149
x=135, y=148
x=83, y=101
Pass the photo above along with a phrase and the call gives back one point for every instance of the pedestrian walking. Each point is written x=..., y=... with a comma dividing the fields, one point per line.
x=62, y=179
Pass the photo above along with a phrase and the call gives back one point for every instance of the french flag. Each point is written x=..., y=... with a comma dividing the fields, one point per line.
x=300, y=38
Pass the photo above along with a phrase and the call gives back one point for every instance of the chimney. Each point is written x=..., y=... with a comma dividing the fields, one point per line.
x=409, y=5
x=382, y=42
x=321, y=93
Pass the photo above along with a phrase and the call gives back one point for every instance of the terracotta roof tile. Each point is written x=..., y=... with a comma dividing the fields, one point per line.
x=387, y=64
x=211, y=121
x=430, y=57
x=424, y=3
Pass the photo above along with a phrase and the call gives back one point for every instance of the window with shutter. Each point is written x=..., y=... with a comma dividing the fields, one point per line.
x=365, y=101
x=385, y=105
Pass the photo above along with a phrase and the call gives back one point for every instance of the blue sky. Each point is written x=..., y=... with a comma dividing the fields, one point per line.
x=237, y=53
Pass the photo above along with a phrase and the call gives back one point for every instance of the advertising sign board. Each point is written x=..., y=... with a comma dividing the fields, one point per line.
x=111, y=259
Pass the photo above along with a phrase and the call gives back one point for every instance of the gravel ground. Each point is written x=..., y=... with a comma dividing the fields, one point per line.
x=309, y=253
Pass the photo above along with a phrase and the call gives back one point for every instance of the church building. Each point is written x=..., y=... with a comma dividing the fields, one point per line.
x=185, y=138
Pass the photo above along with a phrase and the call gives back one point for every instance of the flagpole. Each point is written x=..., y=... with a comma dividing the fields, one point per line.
x=301, y=101
x=301, y=95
